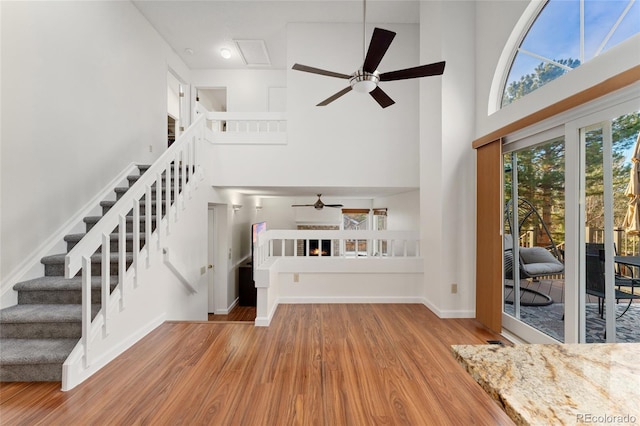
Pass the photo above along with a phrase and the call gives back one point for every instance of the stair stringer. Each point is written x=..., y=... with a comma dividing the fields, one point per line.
x=152, y=294
x=31, y=267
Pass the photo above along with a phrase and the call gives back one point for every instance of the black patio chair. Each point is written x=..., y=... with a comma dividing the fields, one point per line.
x=595, y=281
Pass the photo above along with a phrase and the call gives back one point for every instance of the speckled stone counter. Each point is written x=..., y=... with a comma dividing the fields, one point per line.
x=559, y=384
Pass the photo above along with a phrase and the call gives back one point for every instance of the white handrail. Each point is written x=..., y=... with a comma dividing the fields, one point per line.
x=92, y=240
x=180, y=156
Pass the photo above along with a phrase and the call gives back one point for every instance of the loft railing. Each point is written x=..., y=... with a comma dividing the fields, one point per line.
x=355, y=244
x=169, y=181
x=254, y=128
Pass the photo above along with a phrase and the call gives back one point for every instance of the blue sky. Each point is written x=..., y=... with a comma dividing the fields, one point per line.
x=556, y=32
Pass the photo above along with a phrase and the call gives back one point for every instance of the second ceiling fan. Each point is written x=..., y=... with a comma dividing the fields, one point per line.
x=318, y=205
x=367, y=78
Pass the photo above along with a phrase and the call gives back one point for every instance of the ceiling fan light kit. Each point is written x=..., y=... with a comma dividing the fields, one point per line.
x=364, y=82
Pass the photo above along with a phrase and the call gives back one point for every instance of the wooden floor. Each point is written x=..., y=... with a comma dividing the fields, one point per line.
x=238, y=313
x=315, y=365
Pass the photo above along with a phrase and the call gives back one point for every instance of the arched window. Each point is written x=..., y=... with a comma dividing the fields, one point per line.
x=564, y=35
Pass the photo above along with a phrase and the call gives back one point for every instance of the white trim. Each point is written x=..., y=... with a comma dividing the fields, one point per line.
x=349, y=299
x=524, y=331
x=266, y=321
x=228, y=309
x=503, y=67
x=619, y=97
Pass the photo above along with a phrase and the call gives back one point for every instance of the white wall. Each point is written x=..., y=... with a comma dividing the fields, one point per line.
x=447, y=162
x=84, y=94
x=352, y=142
x=403, y=210
x=247, y=90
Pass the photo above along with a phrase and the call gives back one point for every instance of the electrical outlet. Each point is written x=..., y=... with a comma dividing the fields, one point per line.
x=150, y=148
x=296, y=278
x=454, y=288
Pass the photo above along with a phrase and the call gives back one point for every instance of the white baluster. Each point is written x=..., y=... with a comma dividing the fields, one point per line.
x=167, y=195
x=122, y=256
x=86, y=309
x=136, y=239
x=176, y=179
x=158, y=203
x=183, y=163
x=106, y=281
x=147, y=224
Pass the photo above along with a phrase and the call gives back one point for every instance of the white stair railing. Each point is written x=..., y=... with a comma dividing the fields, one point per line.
x=170, y=181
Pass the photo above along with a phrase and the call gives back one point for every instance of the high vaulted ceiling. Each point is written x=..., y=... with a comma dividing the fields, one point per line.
x=205, y=27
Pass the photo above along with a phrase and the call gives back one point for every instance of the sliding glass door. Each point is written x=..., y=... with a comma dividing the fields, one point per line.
x=533, y=195
x=571, y=225
x=610, y=190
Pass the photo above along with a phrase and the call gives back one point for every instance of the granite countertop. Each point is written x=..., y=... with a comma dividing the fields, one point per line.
x=559, y=384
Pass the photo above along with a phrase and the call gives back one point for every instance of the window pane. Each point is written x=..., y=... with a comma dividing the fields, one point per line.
x=552, y=45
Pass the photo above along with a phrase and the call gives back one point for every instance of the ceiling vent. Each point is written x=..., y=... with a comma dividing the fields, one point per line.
x=253, y=52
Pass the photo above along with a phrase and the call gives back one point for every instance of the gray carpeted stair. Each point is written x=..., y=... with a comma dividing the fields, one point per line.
x=39, y=333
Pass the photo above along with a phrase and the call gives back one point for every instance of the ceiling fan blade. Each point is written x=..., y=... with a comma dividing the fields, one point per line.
x=415, y=72
x=334, y=97
x=381, y=97
x=302, y=205
x=380, y=42
x=313, y=70
x=334, y=205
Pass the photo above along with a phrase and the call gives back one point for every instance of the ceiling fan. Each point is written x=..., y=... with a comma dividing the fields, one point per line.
x=318, y=205
x=367, y=78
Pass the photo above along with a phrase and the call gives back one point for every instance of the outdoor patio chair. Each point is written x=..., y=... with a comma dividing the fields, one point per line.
x=534, y=262
x=595, y=281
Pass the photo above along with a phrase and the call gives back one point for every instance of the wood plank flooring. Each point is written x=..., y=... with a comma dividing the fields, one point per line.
x=315, y=365
x=238, y=313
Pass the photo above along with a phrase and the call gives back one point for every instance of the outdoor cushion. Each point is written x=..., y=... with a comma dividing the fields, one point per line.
x=538, y=261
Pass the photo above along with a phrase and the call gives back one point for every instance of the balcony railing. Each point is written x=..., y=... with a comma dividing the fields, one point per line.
x=242, y=128
x=343, y=244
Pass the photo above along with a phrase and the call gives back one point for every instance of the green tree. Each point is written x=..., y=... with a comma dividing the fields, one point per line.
x=541, y=168
x=543, y=73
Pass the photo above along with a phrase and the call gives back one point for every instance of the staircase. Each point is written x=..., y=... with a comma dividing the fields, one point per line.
x=38, y=334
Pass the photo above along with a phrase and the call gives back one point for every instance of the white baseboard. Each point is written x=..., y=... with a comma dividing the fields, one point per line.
x=265, y=321
x=443, y=313
x=228, y=309
x=350, y=299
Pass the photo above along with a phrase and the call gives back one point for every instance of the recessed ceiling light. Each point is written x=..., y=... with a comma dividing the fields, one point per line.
x=225, y=53
x=188, y=51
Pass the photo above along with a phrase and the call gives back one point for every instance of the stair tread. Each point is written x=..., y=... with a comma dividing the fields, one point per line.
x=29, y=314
x=35, y=351
x=95, y=258
x=94, y=219
x=78, y=237
x=110, y=203
x=54, y=283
